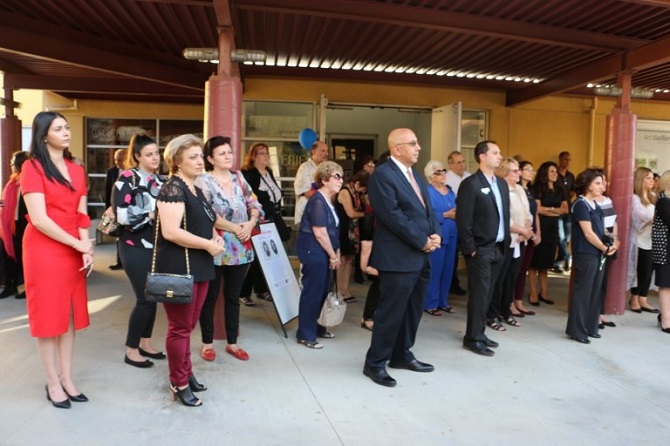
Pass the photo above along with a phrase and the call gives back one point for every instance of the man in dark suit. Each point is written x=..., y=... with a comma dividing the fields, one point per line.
x=112, y=175
x=483, y=222
x=406, y=232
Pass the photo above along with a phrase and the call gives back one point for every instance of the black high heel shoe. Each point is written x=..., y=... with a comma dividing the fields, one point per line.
x=195, y=385
x=664, y=330
x=185, y=395
x=81, y=398
x=65, y=404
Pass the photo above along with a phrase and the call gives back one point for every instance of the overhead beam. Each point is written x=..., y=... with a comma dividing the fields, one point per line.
x=647, y=56
x=650, y=55
x=601, y=69
x=77, y=54
x=435, y=19
x=95, y=84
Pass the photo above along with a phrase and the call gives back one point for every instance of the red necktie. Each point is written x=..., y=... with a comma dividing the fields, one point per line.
x=415, y=186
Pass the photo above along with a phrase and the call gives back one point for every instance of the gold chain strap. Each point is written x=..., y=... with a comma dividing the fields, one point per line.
x=153, y=256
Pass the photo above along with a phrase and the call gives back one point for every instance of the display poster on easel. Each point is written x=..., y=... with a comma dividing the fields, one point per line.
x=278, y=273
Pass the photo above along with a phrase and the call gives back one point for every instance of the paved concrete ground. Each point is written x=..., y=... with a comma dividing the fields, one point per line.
x=539, y=389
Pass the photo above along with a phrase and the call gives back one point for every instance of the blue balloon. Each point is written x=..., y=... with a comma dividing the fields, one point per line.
x=307, y=137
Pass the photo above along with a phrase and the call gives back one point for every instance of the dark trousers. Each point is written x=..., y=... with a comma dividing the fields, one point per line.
x=136, y=264
x=118, y=244
x=585, y=301
x=181, y=322
x=233, y=278
x=398, y=315
x=504, y=287
x=455, y=283
x=315, y=287
x=644, y=271
x=483, y=271
x=526, y=259
x=255, y=280
x=372, y=300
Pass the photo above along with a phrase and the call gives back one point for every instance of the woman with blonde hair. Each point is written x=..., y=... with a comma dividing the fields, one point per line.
x=318, y=248
x=521, y=230
x=640, y=265
x=256, y=170
x=186, y=242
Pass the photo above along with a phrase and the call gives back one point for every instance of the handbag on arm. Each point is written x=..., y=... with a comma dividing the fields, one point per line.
x=168, y=288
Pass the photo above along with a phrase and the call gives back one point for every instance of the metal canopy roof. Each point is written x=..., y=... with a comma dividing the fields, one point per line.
x=131, y=49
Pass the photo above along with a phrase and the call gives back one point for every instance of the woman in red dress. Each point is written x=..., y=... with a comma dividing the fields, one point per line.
x=57, y=252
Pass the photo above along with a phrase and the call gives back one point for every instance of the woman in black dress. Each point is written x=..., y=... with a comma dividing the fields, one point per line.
x=552, y=202
x=349, y=206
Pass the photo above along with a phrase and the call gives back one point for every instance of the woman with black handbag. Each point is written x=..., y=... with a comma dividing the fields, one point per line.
x=186, y=235
x=134, y=200
x=257, y=172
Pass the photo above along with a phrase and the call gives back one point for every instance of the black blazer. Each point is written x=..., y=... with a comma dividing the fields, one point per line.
x=402, y=223
x=477, y=215
x=112, y=176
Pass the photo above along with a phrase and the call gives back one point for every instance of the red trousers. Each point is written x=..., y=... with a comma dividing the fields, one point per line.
x=181, y=322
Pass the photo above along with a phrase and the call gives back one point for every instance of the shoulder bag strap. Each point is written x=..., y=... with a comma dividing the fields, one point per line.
x=153, y=256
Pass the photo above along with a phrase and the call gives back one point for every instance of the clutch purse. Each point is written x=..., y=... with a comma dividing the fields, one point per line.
x=168, y=288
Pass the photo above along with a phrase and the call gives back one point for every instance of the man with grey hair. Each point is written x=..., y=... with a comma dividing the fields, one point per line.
x=455, y=175
x=305, y=177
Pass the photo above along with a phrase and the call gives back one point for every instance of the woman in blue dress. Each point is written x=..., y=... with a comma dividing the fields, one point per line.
x=442, y=260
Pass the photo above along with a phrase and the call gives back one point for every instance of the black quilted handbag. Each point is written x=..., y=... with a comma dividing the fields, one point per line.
x=168, y=288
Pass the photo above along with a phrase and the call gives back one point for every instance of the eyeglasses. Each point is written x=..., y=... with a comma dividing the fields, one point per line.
x=514, y=170
x=412, y=144
x=440, y=172
x=531, y=170
x=337, y=176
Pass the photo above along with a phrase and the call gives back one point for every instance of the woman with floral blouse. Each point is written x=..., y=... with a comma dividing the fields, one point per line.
x=238, y=212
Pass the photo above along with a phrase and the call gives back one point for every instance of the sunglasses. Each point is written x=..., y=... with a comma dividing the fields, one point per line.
x=440, y=172
x=337, y=176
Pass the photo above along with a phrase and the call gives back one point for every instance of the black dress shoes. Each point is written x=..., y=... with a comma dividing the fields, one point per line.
x=478, y=347
x=545, y=300
x=581, y=340
x=141, y=364
x=379, y=376
x=649, y=310
x=159, y=355
x=116, y=267
x=414, y=365
x=595, y=335
x=491, y=343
